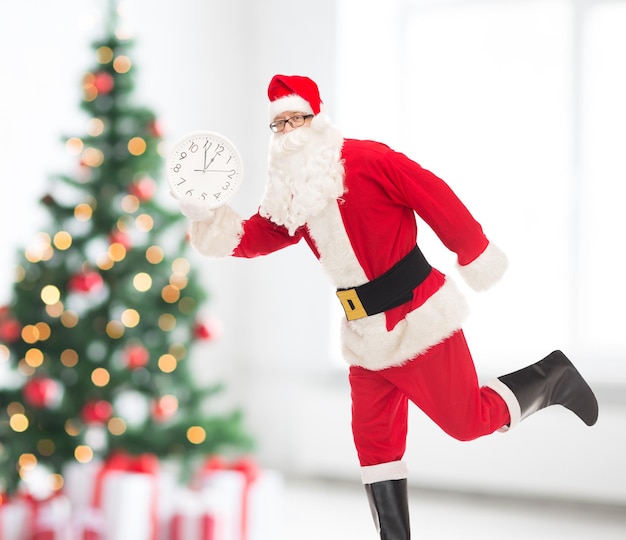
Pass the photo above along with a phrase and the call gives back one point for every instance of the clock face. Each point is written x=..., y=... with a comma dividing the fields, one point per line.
x=205, y=167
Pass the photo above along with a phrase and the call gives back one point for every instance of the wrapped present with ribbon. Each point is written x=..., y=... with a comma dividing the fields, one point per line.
x=194, y=518
x=119, y=498
x=265, y=506
x=15, y=516
x=51, y=519
x=24, y=517
x=79, y=484
x=222, y=488
x=246, y=499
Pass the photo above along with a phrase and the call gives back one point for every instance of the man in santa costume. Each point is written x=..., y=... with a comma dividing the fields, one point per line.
x=353, y=203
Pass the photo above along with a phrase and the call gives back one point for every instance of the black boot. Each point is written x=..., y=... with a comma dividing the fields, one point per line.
x=389, y=503
x=552, y=381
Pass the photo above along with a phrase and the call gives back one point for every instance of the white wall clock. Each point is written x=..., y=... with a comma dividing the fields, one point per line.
x=204, y=167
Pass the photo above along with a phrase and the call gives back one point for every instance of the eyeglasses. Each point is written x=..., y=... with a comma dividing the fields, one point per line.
x=295, y=121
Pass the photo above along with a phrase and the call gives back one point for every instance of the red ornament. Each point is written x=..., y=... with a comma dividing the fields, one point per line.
x=85, y=282
x=103, y=82
x=164, y=408
x=144, y=188
x=136, y=356
x=208, y=330
x=118, y=237
x=96, y=412
x=10, y=330
x=154, y=128
x=41, y=392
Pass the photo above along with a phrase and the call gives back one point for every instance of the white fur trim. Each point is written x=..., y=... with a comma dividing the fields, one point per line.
x=509, y=398
x=367, y=342
x=336, y=253
x=322, y=121
x=486, y=269
x=394, y=470
x=289, y=103
x=195, y=211
x=219, y=236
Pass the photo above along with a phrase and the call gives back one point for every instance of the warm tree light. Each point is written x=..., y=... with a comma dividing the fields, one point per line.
x=95, y=334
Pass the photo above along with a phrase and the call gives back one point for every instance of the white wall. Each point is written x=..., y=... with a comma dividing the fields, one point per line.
x=206, y=64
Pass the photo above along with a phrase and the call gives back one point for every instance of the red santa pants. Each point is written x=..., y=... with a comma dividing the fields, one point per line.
x=442, y=382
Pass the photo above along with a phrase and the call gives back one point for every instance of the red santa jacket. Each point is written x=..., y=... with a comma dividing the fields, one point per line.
x=363, y=234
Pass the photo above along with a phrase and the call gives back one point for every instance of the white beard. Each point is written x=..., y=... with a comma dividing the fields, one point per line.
x=305, y=173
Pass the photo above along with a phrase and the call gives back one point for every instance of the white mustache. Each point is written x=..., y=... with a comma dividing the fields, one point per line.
x=289, y=143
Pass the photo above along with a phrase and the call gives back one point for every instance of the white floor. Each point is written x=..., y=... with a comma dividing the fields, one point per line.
x=318, y=510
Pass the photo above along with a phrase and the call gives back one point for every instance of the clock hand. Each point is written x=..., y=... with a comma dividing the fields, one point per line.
x=206, y=165
x=212, y=160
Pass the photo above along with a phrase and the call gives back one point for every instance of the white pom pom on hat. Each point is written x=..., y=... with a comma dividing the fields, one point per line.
x=293, y=93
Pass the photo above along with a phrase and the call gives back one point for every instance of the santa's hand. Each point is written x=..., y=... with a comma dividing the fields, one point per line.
x=195, y=210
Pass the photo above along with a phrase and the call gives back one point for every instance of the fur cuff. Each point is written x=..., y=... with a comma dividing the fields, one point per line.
x=510, y=400
x=394, y=470
x=486, y=269
x=219, y=236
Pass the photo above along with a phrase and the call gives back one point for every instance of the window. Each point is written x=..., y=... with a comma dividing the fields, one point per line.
x=519, y=106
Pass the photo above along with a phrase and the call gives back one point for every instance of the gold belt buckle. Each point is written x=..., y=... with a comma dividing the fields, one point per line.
x=351, y=304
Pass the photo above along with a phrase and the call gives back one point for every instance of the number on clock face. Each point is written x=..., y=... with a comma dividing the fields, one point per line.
x=205, y=167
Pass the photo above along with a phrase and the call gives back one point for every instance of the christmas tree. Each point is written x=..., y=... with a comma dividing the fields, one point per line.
x=105, y=306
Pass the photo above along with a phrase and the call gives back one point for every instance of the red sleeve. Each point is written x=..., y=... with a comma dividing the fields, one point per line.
x=261, y=236
x=435, y=202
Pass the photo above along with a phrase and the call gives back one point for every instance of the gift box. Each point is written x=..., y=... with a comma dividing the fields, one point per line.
x=52, y=519
x=126, y=498
x=14, y=519
x=265, y=506
x=222, y=492
x=26, y=518
x=80, y=486
x=127, y=505
x=246, y=500
x=116, y=499
x=194, y=517
x=79, y=483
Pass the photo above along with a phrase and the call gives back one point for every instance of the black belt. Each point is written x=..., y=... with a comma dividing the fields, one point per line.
x=392, y=289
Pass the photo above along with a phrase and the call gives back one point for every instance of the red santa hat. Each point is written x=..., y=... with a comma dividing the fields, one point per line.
x=293, y=93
